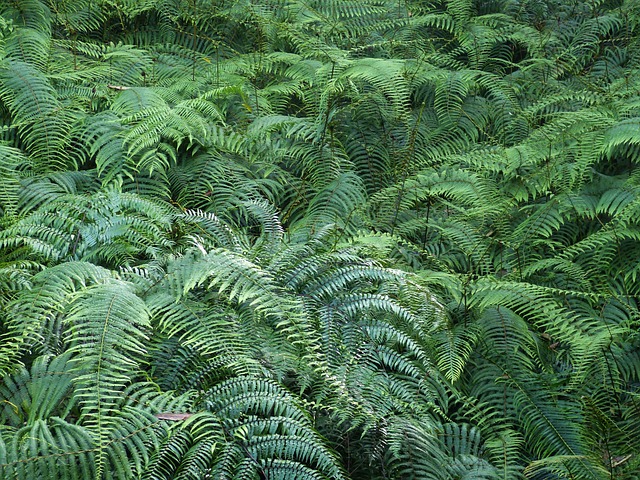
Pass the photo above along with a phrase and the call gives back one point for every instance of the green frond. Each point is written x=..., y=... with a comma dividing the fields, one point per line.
x=12, y=158
x=28, y=45
x=198, y=326
x=251, y=427
x=42, y=442
x=107, y=228
x=622, y=139
x=30, y=13
x=78, y=15
x=107, y=326
x=42, y=392
x=453, y=349
x=155, y=133
x=47, y=450
x=188, y=449
x=503, y=452
x=210, y=230
x=42, y=122
x=336, y=204
x=42, y=304
x=420, y=450
x=242, y=283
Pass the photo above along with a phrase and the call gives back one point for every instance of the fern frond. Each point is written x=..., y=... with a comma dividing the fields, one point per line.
x=107, y=326
x=46, y=300
x=42, y=122
x=42, y=392
x=265, y=426
x=337, y=203
x=57, y=450
x=10, y=179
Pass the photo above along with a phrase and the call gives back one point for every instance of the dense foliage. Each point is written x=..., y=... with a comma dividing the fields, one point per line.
x=326, y=239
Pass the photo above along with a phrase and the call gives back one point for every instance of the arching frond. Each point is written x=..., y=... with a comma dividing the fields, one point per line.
x=107, y=324
x=41, y=121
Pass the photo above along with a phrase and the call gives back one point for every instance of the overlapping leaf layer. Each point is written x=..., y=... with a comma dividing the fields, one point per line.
x=324, y=239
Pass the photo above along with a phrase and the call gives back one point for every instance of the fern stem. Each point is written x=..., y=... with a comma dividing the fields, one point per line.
x=426, y=226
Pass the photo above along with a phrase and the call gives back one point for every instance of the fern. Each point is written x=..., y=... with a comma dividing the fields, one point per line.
x=338, y=239
x=37, y=115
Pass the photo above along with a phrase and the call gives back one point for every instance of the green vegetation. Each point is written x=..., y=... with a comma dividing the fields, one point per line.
x=324, y=239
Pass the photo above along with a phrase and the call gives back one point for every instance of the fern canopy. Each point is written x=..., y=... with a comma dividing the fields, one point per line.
x=319, y=239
